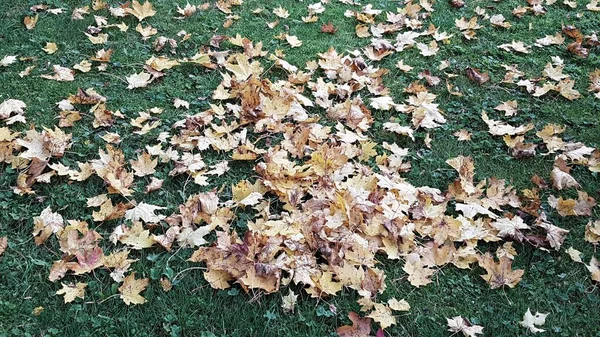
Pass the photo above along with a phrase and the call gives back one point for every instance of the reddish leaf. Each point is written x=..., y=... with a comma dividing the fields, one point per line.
x=328, y=28
x=477, y=76
x=361, y=327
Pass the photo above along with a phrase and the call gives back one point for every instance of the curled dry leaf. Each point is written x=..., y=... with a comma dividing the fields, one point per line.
x=477, y=76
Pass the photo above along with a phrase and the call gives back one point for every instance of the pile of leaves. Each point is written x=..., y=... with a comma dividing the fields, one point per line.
x=328, y=201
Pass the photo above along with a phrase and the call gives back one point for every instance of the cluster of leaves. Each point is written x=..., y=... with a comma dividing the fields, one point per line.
x=327, y=199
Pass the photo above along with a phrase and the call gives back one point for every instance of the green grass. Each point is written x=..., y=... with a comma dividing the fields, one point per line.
x=552, y=282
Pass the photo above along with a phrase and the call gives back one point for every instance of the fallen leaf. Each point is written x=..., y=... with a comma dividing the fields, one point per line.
x=141, y=11
x=530, y=321
x=460, y=324
x=72, y=291
x=361, y=327
x=131, y=288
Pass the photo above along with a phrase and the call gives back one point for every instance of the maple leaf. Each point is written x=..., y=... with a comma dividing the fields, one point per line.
x=554, y=234
x=361, y=327
x=141, y=11
x=139, y=80
x=510, y=227
x=382, y=314
x=396, y=305
x=328, y=28
x=218, y=279
x=499, y=128
x=509, y=108
x=460, y=324
x=574, y=254
x=243, y=69
x=145, y=212
x=499, y=274
x=131, y=288
x=61, y=74
x=145, y=165
x=281, y=12
x=530, y=321
x=289, y=302
x=135, y=237
x=46, y=224
x=418, y=274
x=72, y=291
x=8, y=60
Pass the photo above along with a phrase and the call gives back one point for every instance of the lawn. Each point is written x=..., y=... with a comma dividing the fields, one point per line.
x=274, y=157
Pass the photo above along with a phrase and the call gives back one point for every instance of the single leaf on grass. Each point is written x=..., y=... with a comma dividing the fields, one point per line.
x=8, y=60
x=530, y=321
x=131, y=288
x=289, y=302
x=396, y=305
x=460, y=324
x=574, y=254
x=30, y=22
x=139, y=80
x=328, y=28
x=477, y=76
x=50, y=48
x=501, y=273
x=141, y=11
x=72, y=291
x=293, y=41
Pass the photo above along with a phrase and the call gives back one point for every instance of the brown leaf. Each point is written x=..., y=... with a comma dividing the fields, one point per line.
x=577, y=49
x=499, y=274
x=573, y=32
x=30, y=21
x=328, y=28
x=457, y=3
x=477, y=76
x=361, y=327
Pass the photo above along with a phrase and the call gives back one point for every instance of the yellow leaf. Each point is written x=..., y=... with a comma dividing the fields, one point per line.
x=141, y=11
x=30, y=21
x=50, y=48
x=382, y=315
x=131, y=288
x=71, y=291
x=218, y=279
x=145, y=165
